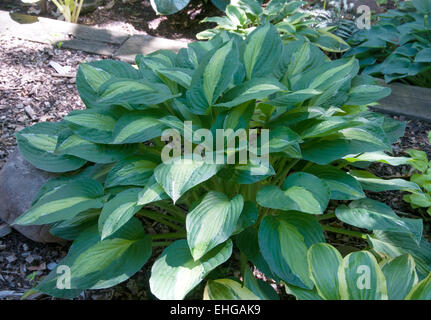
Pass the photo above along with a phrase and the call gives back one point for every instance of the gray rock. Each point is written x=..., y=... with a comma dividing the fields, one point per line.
x=19, y=183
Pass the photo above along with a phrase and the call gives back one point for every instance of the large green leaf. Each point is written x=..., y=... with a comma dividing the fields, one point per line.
x=118, y=211
x=133, y=171
x=373, y=183
x=183, y=174
x=138, y=126
x=255, y=89
x=99, y=264
x=299, y=192
x=324, y=261
x=262, y=52
x=374, y=215
x=37, y=144
x=152, y=192
x=307, y=225
x=141, y=92
x=227, y=289
x=99, y=153
x=342, y=185
x=92, y=75
x=284, y=250
x=421, y=291
x=360, y=278
x=175, y=273
x=95, y=125
x=64, y=202
x=212, y=222
x=400, y=270
x=219, y=71
x=72, y=228
x=395, y=244
x=366, y=94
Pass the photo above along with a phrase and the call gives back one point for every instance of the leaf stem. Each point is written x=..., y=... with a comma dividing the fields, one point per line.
x=326, y=216
x=173, y=210
x=159, y=218
x=161, y=243
x=354, y=234
x=173, y=235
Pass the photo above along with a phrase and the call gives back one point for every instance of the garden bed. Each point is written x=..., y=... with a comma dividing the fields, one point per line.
x=31, y=91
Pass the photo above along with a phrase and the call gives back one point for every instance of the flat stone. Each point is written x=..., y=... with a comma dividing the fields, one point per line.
x=89, y=46
x=52, y=31
x=410, y=101
x=19, y=184
x=144, y=44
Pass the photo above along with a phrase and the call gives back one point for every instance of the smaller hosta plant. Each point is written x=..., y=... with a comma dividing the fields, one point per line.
x=398, y=46
x=167, y=7
x=230, y=145
x=422, y=177
x=290, y=21
x=358, y=276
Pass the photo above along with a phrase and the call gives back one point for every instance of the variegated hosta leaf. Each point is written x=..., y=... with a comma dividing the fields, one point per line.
x=395, y=244
x=227, y=289
x=175, y=273
x=137, y=126
x=212, y=222
x=183, y=174
x=400, y=270
x=255, y=89
x=92, y=75
x=360, y=278
x=373, y=183
x=116, y=125
x=99, y=264
x=299, y=192
x=262, y=51
x=152, y=192
x=377, y=156
x=125, y=91
x=95, y=125
x=219, y=71
x=118, y=211
x=37, y=144
x=374, y=215
x=421, y=291
x=64, y=202
x=324, y=261
x=132, y=171
x=342, y=185
x=98, y=153
x=284, y=250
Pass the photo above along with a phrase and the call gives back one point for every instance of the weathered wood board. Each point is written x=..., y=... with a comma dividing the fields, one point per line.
x=410, y=101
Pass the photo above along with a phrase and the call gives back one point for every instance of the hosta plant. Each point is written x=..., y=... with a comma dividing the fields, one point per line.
x=125, y=164
x=293, y=23
x=398, y=46
x=167, y=7
x=422, y=177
